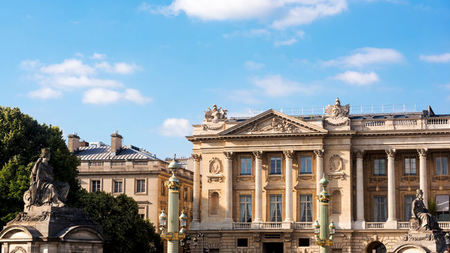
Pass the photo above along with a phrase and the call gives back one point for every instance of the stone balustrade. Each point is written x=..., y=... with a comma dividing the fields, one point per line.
x=400, y=124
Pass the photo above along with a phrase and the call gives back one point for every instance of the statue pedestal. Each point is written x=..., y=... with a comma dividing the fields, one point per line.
x=51, y=229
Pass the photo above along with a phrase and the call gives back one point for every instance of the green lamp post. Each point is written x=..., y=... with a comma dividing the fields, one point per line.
x=323, y=230
x=172, y=235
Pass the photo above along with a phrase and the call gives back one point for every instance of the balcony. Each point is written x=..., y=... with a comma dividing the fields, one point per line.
x=445, y=225
x=374, y=225
x=271, y=225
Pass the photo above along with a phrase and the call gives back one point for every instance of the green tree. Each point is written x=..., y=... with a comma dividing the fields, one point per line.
x=123, y=229
x=21, y=141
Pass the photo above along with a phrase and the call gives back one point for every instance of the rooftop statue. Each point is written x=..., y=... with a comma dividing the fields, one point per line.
x=420, y=212
x=337, y=114
x=215, y=114
x=43, y=189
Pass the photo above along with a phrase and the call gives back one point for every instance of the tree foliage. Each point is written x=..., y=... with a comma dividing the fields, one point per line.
x=123, y=229
x=21, y=141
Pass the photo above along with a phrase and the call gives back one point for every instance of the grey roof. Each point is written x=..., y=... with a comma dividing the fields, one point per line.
x=103, y=153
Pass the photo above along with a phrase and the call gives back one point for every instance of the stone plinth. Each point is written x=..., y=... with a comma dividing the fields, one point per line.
x=51, y=229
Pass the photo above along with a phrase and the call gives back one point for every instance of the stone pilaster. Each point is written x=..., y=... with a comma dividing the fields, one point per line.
x=359, y=224
x=319, y=174
x=392, y=214
x=423, y=179
x=288, y=156
x=228, y=187
x=196, y=194
x=258, y=186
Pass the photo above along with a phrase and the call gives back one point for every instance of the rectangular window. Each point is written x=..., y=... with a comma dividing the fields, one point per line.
x=242, y=242
x=379, y=167
x=379, y=208
x=408, y=201
x=245, y=208
x=275, y=208
x=442, y=207
x=118, y=186
x=140, y=185
x=410, y=167
x=303, y=242
x=246, y=166
x=95, y=185
x=305, y=165
x=441, y=165
x=306, y=208
x=185, y=194
x=163, y=189
x=275, y=165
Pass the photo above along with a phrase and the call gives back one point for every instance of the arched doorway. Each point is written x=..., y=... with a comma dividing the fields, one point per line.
x=410, y=249
x=376, y=247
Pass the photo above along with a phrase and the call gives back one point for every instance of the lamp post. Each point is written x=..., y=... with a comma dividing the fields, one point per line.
x=323, y=230
x=172, y=235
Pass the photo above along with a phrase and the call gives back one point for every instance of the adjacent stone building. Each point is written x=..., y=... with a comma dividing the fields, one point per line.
x=260, y=177
x=118, y=169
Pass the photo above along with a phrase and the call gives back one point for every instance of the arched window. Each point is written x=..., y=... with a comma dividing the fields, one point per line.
x=214, y=203
x=376, y=247
x=336, y=202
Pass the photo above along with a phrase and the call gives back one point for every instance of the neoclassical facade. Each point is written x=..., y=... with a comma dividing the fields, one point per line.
x=256, y=178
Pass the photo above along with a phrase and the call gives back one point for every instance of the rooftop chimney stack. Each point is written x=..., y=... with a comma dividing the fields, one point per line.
x=73, y=142
x=116, y=142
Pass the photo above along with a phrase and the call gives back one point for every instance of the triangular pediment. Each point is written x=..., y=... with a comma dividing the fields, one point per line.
x=273, y=122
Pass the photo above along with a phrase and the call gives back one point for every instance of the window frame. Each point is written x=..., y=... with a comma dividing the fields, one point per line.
x=91, y=187
x=307, y=171
x=307, y=202
x=375, y=207
x=408, y=166
x=136, y=188
x=377, y=169
x=439, y=171
x=274, y=171
x=247, y=203
x=278, y=204
x=248, y=169
x=114, y=186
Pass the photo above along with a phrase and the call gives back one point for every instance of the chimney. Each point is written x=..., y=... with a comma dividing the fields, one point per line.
x=84, y=143
x=116, y=142
x=73, y=142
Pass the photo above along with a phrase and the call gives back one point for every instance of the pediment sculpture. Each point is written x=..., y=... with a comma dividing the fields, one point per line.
x=337, y=114
x=215, y=114
x=44, y=190
x=275, y=125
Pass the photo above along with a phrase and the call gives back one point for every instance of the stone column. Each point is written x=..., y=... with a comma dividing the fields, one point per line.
x=196, y=193
x=319, y=174
x=359, y=190
x=228, y=187
x=392, y=216
x=288, y=155
x=423, y=174
x=258, y=186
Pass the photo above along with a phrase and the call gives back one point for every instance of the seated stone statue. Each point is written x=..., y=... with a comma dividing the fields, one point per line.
x=420, y=212
x=43, y=189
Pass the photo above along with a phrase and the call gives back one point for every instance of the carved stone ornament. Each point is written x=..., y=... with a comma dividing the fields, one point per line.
x=215, y=166
x=274, y=125
x=197, y=157
x=215, y=114
x=337, y=175
x=337, y=115
x=336, y=163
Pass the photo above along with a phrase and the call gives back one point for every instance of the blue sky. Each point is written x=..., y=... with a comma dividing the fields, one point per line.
x=150, y=69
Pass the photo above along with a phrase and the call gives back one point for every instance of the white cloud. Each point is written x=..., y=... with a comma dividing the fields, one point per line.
x=288, y=42
x=98, y=56
x=176, y=127
x=69, y=66
x=135, y=96
x=357, y=78
x=276, y=86
x=281, y=13
x=119, y=68
x=73, y=74
x=247, y=33
x=244, y=96
x=251, y=65
x=45, y=93
x=439, y=58
x=367, y=56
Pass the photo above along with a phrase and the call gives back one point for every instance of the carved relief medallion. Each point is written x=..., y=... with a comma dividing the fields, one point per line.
x=215, y=166
x=336, y=163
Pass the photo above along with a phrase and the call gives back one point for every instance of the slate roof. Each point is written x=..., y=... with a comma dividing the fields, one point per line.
x=103, y=153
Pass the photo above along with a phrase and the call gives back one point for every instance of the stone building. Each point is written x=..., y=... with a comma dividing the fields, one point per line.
x=118, y=169
x=260, y=177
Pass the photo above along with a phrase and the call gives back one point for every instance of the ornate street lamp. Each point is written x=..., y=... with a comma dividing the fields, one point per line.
x=323, y=231
x=172, y=235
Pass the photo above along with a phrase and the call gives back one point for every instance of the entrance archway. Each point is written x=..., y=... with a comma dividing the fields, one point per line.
x=410, y=249
x=376, y=247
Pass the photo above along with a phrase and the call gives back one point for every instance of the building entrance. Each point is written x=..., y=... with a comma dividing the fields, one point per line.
x=273, y=247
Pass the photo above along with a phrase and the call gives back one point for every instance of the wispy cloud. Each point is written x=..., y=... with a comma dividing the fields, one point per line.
x=367, y=56
x=277, y=86
x=251, y=65
x=437, y=58
x=176, y=127
x=280, y=14
x=75, y=74
x=288, y=42
x=357, y=78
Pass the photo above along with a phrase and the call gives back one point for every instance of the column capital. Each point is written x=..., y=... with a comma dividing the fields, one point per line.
x=319, y=152
x=258, y=154
x=196, y=157
x=422, y=152
x=391, y=152
x=358, y=153
x=228, y=155
x=289, y=154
